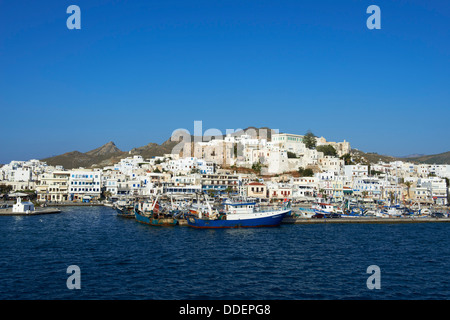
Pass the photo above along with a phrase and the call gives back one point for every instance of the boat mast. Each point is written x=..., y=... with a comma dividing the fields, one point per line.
x=207, y=203
x=154, y=203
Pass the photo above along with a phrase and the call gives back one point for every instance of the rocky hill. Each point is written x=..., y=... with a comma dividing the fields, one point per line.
x=109, y=154
x=106, y=154
x=441, y=158
x=372, y=157
x=359, y=156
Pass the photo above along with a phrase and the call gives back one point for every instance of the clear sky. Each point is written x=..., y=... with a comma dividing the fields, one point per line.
x=137, y=70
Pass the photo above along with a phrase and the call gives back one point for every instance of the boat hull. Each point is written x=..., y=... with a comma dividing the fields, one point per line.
x=158, y=222
x=273, y=220
x=125, y=213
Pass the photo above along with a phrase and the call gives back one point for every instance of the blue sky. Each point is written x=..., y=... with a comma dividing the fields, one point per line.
x=137, y=70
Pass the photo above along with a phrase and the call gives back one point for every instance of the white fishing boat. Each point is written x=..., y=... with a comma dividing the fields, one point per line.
x=238, y=214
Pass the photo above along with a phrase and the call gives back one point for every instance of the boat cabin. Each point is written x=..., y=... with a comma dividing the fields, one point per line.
x=239, y=207
x=323, y=207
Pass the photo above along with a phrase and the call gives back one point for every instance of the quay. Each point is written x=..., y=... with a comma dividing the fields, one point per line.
x=36, y=212
x=75, y=204
x=289, y=220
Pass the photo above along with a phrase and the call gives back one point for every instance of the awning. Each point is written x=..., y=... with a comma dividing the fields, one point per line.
x=18, y=194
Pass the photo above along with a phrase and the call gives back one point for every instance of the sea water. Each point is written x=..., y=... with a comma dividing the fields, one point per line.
x=121, y=259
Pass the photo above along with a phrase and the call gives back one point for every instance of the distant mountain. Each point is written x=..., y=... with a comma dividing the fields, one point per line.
x=154, y=150
x=105, y=150
x=441, y=158
x=106, y=155
x=372, y=157
x=416, y=155
x=109, y=154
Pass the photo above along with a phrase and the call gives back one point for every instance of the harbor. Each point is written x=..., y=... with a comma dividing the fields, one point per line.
x=202, y=212
x=292, y=261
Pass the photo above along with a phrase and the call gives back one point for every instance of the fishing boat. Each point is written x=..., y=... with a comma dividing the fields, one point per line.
x=125, y=212
x=389, y=212
x=324, y=210
x=124, y=209
x=151, y=214
x=354, y=212
x=306, y=213
x=238, y=214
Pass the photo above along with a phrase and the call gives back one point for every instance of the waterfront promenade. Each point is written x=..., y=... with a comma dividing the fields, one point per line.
x=289, y=220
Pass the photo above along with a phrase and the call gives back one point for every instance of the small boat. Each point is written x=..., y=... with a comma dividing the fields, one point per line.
x=325, y=210
x=306, y=213
x=389, y=212
x=237, y=214
x=124, y=209
x=153, y=216
x=355, y=212
x=125, y=212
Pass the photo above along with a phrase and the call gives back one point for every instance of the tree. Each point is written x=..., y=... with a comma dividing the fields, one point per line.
x=291, y=155
x=107, y=194
x=408, y=186
x=257, y=167
x=327, y=149
x=391, y=196
x=309, y=139
x=322, y=194
x=305, y=172
x=347, y=159
x=228, y=190
x=211, y=193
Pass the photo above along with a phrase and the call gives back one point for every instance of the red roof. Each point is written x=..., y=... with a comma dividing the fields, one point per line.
x=255, y=184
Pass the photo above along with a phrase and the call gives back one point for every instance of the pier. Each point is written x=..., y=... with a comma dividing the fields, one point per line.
x=290, y=220
x=36, y=212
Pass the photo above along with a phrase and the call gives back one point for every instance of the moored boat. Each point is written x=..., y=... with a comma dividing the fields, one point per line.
x=238, y=214
x=325, y=210
x=153, y=216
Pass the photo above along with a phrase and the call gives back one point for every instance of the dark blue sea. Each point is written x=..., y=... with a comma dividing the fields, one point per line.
x=122, y=259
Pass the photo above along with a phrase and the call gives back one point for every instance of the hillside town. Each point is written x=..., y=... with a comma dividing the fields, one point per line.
x=301, y=168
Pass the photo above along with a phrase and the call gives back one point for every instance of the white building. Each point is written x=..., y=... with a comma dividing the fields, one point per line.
x=53, y=186
x=85, y=185
x=436, y=187
x=22, y=207
x=356, y=171
x=332, y=164
x=370, y=186
x=289, y=142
